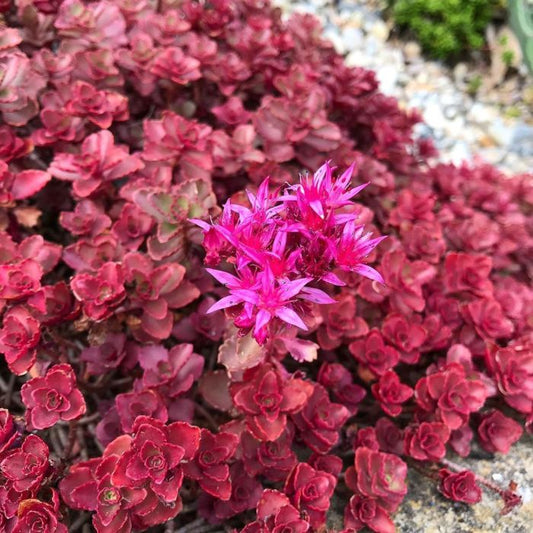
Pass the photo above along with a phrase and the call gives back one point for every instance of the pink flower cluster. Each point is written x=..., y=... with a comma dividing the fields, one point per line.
x=143, y=141
x=283, y=243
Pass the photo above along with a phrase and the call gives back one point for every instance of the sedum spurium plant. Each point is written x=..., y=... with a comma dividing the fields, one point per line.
x=202, y=323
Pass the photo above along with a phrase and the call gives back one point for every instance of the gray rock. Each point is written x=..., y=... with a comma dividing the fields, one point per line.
x=387, y=76
x=357, y=58
x=515, y=164
x=451, y=111
x=500, y=132
x=482, y=114
x=494, y=156
x=339, y=42
x=522, y=140
x=379, y=30
x=352, y=38
x=460, y=72
x=411, y=51
x=458, y=153
x=434, y=116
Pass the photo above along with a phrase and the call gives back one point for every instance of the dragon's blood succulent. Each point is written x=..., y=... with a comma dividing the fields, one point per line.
x=378, y=475
x=460, y=486
x=118, y=505
x=99, y=161
x=107, y=355
x=24, y=468
x=53, y=397
x=451, y=394
x=101, y=292
x=171, y=372
x=310, y=491
x=158, y=290
x=427, y=442
x=373, y=354
x=497, y=432
x=337, y=379
x=19, y=338
x=245, y=494
x=273, y=459
x=210, y=464
x=513, y=371
x=8, y=430
x=35, y=515
x=131, y=405
x=275, y=513
x=201, y=316
x=319, y=422
x=155, y=457
x=266, y=398
x=20, y=185
x=391, y=393
x=364, y=512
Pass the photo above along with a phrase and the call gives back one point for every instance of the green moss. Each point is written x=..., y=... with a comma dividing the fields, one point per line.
x=445, y=28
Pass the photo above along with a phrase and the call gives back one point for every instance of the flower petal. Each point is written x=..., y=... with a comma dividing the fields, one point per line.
x=223, y=303
x=289, y=315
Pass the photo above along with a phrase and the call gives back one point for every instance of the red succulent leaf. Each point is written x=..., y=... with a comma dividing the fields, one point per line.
x=26, y=467
x=460, y=486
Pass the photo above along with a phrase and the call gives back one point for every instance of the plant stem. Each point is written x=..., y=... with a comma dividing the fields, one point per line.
x=191, y=525
x=78, y=523
x=205, y=414
x=9, y=392
x=72, y=437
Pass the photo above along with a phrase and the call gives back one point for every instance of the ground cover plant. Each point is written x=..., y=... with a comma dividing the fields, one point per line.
x=447, y=29
x=233, y=288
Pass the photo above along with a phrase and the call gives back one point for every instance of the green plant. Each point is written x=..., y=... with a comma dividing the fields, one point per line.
x=508, y=58
x=445, y=28
x=474, y=84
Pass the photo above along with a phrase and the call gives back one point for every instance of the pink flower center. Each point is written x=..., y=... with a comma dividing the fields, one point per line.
x=461, y=488
x=31, y=465
x=145, y=289
x=14, y=338
x=109, y=496
x=164, y=368
x=207, y=459
x=156, y=462
x=272, y=449
x=37, y=523
x=367, y=510
x=54, y=400
x=133, y=227
x=429, y=441
x=241, y=494
x=268, y=402
x=19, y=280
x=104, y=292
x=374, y=356
x=310, y=492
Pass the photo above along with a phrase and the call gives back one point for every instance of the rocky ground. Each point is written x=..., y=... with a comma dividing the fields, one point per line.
x=473, y=110
x=470, y=111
